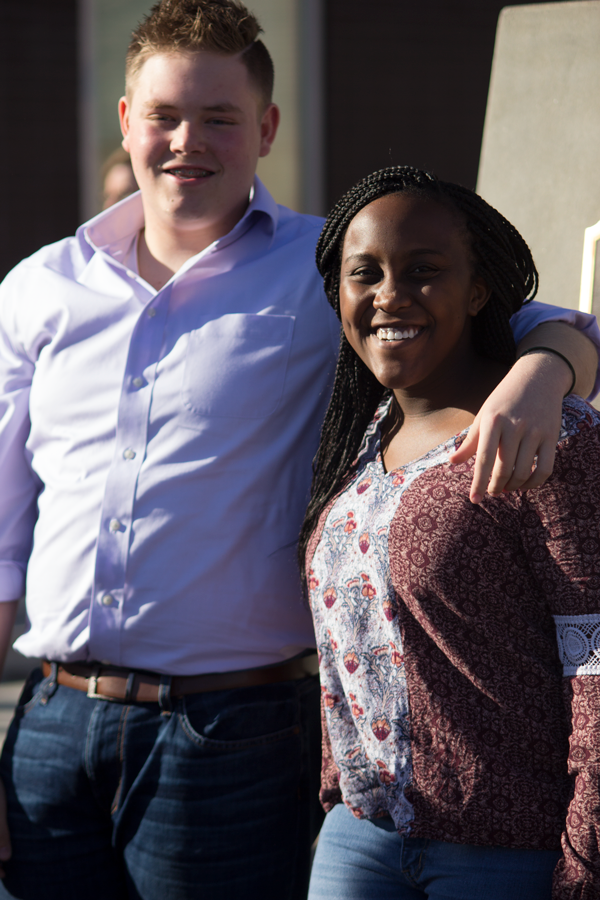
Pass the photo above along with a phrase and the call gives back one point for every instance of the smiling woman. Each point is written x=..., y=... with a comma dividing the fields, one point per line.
x=408, y=295
x=443, y=626
x=494, y=251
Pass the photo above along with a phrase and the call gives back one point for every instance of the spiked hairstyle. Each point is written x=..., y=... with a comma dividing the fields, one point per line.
x=221, y=26
x=500, y=256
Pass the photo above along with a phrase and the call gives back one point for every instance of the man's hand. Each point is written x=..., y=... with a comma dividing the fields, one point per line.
x=519, y=421
x=5, y=845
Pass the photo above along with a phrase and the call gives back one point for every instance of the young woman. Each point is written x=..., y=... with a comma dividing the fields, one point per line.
x=459, y=643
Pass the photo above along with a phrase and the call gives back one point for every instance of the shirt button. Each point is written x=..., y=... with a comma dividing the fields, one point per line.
x=108, y=600
x=115, y=525
x=151, y=312
x=138, y=382
x=129, y=453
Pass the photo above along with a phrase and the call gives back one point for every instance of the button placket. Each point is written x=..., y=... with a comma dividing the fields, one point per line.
x=107, y=618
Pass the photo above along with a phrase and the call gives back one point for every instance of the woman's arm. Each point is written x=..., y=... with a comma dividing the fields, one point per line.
x=560, y=529
x=577, y=874
x=520, y=420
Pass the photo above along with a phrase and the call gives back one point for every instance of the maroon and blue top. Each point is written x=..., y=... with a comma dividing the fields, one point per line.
x=460, y=649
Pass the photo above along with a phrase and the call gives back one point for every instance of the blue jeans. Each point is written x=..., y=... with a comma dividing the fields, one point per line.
x=217, y=800
x=363, y=859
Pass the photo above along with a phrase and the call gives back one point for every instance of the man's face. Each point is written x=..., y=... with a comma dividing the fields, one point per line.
x=195, y=128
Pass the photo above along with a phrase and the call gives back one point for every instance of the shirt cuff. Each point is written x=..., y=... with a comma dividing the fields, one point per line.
x=12, y=581
x=535, y=313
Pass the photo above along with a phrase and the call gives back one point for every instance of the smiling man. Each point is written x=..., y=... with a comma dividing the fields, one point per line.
x=163, y=378
x=195, y=125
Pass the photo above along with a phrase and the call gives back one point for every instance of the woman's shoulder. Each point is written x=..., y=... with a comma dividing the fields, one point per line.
x=577, y=461
x=578, y=416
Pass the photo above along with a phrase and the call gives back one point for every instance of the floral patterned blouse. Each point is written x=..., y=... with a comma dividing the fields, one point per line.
x=358, y=635
x=460, y=652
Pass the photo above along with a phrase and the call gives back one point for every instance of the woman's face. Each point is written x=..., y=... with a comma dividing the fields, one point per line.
x=407, y=290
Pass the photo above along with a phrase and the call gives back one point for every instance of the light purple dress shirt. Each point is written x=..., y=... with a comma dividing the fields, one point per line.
x=155, y=446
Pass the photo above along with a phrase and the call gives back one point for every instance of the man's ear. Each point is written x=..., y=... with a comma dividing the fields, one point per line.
x=124, y=121
x=479, y=297
x=269, y=124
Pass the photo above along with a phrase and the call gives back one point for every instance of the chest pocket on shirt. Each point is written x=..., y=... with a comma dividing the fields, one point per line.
x=236, y=365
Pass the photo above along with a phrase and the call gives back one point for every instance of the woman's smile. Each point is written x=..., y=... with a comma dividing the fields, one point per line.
x=393, y=335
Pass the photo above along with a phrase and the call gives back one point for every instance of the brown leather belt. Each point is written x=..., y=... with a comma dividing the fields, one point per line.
x=136, y=686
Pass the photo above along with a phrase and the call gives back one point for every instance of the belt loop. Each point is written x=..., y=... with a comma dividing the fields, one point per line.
x=164, y=695
x=129, y=688
x=50, y=684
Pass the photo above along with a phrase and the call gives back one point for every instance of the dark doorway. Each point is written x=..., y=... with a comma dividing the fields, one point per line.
x=407, y=84
x=38, y=145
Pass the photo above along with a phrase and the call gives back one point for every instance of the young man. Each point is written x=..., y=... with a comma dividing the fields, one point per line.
x=163, y=378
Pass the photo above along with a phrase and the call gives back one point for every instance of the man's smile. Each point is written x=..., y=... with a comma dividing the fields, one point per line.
x=188, y=172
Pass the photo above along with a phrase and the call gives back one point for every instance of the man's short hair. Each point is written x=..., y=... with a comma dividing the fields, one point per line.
x=221, y=26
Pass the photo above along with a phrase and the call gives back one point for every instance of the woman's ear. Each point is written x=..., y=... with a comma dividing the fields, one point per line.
x=479, y=296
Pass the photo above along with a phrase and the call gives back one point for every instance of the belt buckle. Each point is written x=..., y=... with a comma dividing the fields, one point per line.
x=92, y=685
x=92, y=688
x=93, y=694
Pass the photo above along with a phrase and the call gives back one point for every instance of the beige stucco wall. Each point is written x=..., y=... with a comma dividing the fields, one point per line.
x=540, y=156
x=280, y=170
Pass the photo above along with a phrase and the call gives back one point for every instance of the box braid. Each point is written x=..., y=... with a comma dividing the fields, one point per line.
x=500, y=256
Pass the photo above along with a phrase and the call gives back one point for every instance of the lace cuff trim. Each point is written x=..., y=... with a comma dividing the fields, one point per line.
x=579, y=644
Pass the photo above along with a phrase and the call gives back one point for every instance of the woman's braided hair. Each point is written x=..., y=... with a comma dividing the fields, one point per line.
x=500, y=256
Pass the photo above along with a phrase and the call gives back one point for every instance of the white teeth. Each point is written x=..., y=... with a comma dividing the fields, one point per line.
x=390, y=334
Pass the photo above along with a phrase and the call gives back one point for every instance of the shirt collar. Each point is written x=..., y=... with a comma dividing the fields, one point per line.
x=113, y=230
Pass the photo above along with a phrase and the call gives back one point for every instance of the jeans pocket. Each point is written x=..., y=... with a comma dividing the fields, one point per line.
x=37, y=689
x=237, y=724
